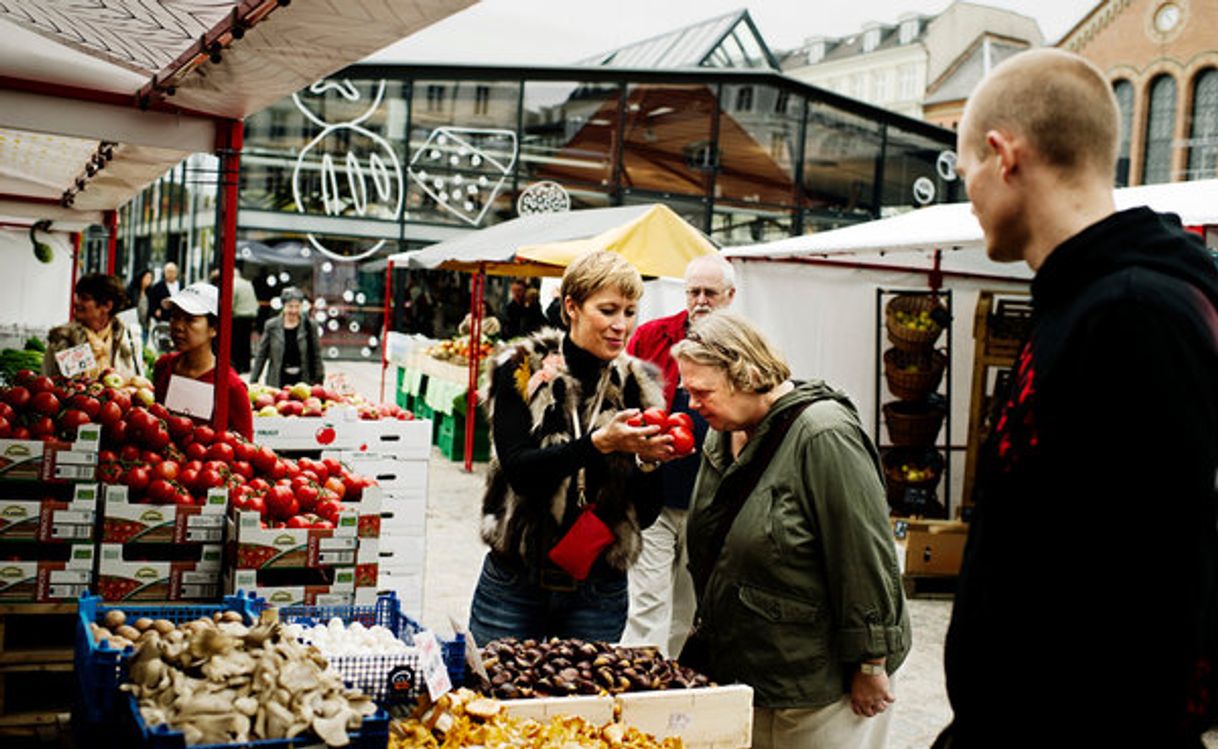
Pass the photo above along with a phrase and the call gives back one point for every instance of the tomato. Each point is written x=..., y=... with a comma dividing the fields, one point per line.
x=209, y=478
x=205, y=435
x=324, y=525
x=281, y=503
x=21, y=433
x=116, y=433
x=259, y=485
x=256, y=503
x=168, y=470
x=157, y=438
x=196, y=451
x=86, y=403
x=42, y=384
x=354, y=486
x=244, y=469
x=296, y=521
x=245, y=451
x=310, y=474
x=138, y=478
x=334, y=466
x=291, y=468
x=109, y=414
x=6, y=411
x=45, y=403
x=161, y=491
x=680, y=419
x=110, y=473
x=336, y=486
x=72, y=419
x=221, y=451
x=17, y=397
x=139, y=418
x=328, y=510
x=264, y=459
x=185, y=499
x=159, y=411
x=42, y=427
x=682, y=440
x=129, y=454
x=189, y=478
x=180, y=426
x=306, y=497
x=6, y=429
x=655, y=416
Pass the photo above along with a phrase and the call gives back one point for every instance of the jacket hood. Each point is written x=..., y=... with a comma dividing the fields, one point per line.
x=1137, y=236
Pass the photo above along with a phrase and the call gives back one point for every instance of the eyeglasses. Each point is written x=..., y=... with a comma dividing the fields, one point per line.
x=709, y=293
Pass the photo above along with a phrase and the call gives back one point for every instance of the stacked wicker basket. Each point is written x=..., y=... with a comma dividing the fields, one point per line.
x=913, y=370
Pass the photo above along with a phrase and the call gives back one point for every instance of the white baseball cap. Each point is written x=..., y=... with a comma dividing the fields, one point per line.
x=198, y=299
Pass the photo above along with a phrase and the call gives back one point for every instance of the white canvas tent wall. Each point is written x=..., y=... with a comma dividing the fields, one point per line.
x=815, y=296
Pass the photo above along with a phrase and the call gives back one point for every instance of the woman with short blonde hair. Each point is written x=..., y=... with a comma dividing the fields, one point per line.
x=795, y=574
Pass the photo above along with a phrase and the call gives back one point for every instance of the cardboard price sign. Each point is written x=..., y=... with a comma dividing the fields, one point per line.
x=76, y=360
x=431, y=663
x=190, y=397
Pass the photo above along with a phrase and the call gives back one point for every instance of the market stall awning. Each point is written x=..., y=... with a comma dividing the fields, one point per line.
x=953, y=226
x=652, y=235
x=98, y=99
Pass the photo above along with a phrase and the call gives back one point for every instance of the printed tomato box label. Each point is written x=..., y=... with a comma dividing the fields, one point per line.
x=136, y=580
x=44, y=581
x=126, y=522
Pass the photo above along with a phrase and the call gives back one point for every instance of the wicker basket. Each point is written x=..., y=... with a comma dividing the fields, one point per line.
x=905, y=337
x=911, y=375
x=923, y=459
x=913, y=423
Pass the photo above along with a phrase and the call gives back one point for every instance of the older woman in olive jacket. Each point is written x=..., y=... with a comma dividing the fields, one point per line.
x=286, y=366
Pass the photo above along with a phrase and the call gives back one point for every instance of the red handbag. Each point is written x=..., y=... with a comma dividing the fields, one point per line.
x=580, y=546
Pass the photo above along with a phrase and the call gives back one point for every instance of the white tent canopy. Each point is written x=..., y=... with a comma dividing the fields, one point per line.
x=76, y=74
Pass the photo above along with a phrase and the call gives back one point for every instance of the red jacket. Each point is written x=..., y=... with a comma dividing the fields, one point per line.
x=653, y=341
x=240, y=414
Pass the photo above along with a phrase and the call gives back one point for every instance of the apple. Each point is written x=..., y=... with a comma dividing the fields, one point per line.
x=145, y=396
x=268, y=410
x=140, y=383
x=264, y=400
x=281, y=396
x=17, y=397
x=113, y=380
x=319, y=392
x=300, y=391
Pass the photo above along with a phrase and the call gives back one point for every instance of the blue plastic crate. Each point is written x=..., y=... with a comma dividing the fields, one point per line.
x=101, y=668
x=372, y=673
x=373, y=734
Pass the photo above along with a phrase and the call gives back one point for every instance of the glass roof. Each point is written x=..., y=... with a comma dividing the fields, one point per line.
x=728, y=41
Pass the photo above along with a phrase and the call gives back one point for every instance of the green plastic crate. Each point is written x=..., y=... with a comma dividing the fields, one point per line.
x=452, y=438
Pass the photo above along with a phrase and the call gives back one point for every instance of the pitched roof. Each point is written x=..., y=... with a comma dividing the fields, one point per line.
x=727, y=41
x=959, y=80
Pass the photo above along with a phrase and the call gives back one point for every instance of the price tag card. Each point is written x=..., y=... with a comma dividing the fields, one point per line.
x=431, y=664
x=190, y=397
x=76, y=360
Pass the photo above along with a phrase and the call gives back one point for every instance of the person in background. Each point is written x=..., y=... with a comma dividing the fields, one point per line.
x=515, y=311
x=661, y=591
x=289, y=349
x=534, y=317
x=1109, y=432
x=159, y=293
x=559, y=407
x=554, y=312
x=490, y=323
x=790, y=548
x=193, y=325
x=96, y=299
x=137, y=296
x=245, y=313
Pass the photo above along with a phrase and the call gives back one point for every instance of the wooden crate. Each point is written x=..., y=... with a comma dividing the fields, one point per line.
x=36, y=668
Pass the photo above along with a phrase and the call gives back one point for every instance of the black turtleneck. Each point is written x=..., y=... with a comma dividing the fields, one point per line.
x=534, y=471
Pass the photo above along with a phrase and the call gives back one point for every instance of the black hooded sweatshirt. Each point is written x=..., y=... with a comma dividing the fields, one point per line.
x=1085, y=609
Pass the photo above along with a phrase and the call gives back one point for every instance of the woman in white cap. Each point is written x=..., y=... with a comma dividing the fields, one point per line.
x=193, y=325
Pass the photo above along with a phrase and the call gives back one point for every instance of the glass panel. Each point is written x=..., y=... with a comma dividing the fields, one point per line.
x=841, y=151
x=692, y=210
x=668, y=138
x=911, y=174
x=463, y=151
x=757, y=145
x=1160, y=126
x=569, y=132
x=1124, y=96
x=1203, y=141
x=734, y=224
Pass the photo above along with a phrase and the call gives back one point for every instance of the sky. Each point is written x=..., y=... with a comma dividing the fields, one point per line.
x=559, y=32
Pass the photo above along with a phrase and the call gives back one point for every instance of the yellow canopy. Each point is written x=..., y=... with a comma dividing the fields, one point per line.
x=657, y=243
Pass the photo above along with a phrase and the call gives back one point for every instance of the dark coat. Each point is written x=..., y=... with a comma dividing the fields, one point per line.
x=270, y=353
x=157, y=293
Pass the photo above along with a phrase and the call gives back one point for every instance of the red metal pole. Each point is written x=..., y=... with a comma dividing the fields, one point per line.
x=475, y=348
x=229, y=137
x=111, y=222
x=77, y=238
x=385, y=328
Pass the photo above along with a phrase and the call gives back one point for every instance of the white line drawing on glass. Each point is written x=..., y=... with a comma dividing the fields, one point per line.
x=946, y=165
x=462, y=177
x=923, y=191
x=346, y=190
x=543, y=197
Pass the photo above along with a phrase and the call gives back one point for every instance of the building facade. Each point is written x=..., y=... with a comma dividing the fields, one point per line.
x=1162, y=59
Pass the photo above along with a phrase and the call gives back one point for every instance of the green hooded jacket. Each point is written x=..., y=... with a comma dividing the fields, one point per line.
x=807, y=584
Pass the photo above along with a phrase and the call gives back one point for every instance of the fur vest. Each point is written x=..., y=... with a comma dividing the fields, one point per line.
x=125, y=354
x=525, y=528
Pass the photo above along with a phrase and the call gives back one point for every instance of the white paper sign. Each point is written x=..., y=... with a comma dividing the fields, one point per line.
x=76, y=360
x=431, y=663
x=190, y=397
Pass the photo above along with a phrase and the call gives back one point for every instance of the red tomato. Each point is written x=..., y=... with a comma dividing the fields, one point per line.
x=17, y=397
x=184, y=499
x=209, y=478
x=151, y=458
x=138, y=478
x=328, y=510
x=259, y=485
x=42, y=427
x=42, y=384
x=680, y=419
x=45, y=403
x=245, y=451
x=334, y=466
x=205, y=435
x=221, y=451
x=71, y=420
x=189, y=478
x=336, y=485
x=265, y=459
x=157, y=438
x=196, y=451
x=159, y=411
x=109, y=414
x=161, y=491
x=296, y=521
x=168, y=470
x=682, y=440
x=256, y=504
x=86, y=403
x=324, y=525
x=6, y=429
x=635, y=421
x=180, y=426
x=244, y=469
x=655, y=416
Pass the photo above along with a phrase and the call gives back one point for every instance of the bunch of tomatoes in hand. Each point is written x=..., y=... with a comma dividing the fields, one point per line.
x=679, y=426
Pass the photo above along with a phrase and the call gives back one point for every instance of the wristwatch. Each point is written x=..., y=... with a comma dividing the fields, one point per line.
x=872, y=669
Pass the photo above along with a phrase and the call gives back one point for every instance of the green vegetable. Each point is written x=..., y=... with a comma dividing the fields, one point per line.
x=34, y=343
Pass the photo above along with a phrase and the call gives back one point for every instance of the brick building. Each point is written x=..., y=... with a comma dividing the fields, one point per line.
x=1162, y=59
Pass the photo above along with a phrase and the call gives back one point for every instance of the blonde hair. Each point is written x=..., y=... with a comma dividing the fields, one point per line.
x=597, y=270
x=732, y=344
x=1057, y=100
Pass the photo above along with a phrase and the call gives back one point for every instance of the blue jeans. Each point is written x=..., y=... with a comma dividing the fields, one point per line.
x=510, y=602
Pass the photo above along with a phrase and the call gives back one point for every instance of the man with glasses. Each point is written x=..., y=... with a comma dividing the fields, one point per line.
x=661, y=591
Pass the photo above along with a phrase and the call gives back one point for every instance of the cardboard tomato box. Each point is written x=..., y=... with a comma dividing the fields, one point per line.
x=397, y=478
x=50, y=520
x=350, y=585
x=402, y=440
x=704, y=718
x=34, y=460
x=253, y=547
x=339, y=429
x=122, y=576
x=61, y=578
x=931, y=547
x=124, y=521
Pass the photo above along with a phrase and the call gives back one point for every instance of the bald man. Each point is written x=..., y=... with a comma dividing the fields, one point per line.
x=159, y=292
x=1085, y=613
x=661, y=590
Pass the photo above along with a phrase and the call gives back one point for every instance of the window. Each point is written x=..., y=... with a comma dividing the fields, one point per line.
x=482, y=99
x=744, y=99
x=908, y=84
x=1203, y=140
x=881, y=86
x=909, y=30
x=1124, y=96
x=1160, y=126
x=816, y=51
x=435, y=98
x=778, y=146
x=781, y=102
x=871, y=39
